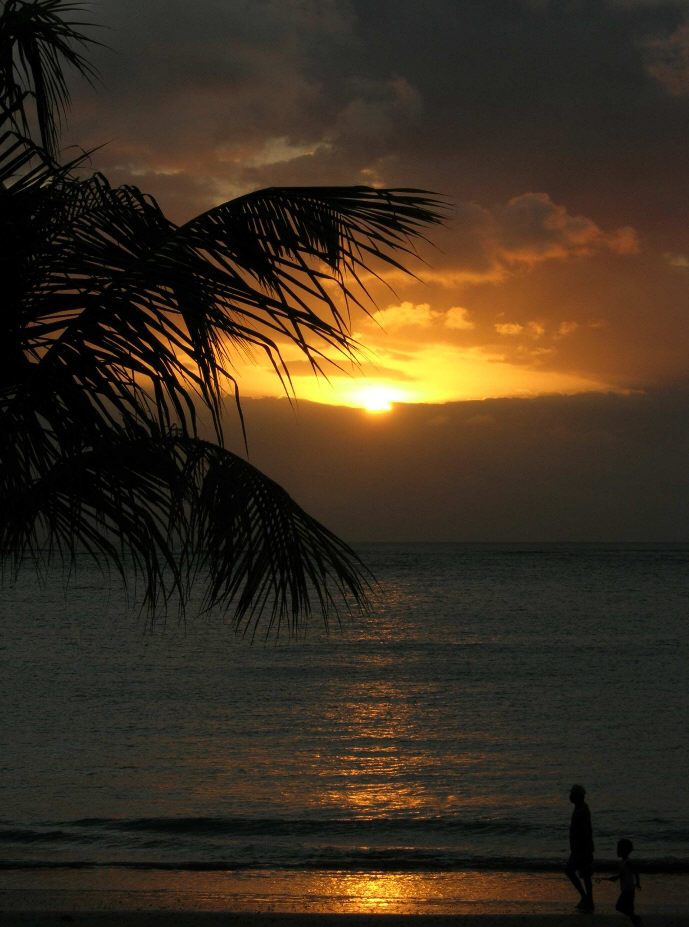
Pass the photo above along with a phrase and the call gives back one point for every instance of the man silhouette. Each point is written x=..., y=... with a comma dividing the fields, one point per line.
x=580, y=863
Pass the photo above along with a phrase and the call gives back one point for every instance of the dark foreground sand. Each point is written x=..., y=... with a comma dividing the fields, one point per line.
x=121, y=898
x=218, y=919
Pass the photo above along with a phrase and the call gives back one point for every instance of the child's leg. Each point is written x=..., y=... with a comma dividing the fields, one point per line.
x=625, y=905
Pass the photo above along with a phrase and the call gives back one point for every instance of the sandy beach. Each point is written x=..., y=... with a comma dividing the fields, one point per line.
x=206, y=919
x=121, y=898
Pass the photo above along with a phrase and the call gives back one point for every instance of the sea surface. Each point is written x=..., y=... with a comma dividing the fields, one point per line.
x=439, y=735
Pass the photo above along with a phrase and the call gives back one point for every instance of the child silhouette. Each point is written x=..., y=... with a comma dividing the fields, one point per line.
x=629, y=881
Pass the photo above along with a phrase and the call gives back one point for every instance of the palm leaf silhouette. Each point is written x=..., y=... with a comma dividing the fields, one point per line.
x=120, y=325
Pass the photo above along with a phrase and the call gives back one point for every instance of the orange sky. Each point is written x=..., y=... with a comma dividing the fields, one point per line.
x=493, y=327
x=557, y=131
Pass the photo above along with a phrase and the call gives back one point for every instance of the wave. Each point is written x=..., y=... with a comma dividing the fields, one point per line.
x=229, y=843
x=245, y=826
x=301, y=826
x=232, y=843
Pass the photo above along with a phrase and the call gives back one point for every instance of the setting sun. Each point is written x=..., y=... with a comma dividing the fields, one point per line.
x=376, y=398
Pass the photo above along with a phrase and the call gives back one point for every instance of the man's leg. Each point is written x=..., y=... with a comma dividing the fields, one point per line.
x=571, y=874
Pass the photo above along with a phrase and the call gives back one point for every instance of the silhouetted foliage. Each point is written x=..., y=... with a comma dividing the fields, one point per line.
x=119, y=325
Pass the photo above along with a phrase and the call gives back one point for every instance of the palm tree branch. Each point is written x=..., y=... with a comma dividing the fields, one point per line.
x=188, y=508
x=35, y=42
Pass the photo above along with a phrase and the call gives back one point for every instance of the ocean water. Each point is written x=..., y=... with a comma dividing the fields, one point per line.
x=439, y=735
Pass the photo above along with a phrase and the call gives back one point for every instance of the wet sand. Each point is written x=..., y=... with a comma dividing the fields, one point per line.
x=116, y=897
x=218, y=919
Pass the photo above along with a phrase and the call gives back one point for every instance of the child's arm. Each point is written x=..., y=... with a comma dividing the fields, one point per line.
x=636, y=875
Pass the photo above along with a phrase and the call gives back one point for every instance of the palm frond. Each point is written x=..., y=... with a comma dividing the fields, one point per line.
x=292, y=240
x=188, y=510
x=261, y=551
x=119, y=325
x=170, y=305
x=36, y=41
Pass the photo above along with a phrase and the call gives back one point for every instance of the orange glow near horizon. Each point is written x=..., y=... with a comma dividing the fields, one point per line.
x=399, y=372
x=433, y=375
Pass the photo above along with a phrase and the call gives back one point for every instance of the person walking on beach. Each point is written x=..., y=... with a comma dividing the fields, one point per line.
x=580, y=863
x=629, y=881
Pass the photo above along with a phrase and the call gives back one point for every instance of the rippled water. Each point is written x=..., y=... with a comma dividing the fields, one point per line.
x=441, y=734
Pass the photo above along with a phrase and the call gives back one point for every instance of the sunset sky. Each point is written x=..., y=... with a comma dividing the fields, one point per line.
x=536, y=372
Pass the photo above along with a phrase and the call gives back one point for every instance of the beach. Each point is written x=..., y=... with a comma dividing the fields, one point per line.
x=246, y=919
x=229, y=919
x=176, y=898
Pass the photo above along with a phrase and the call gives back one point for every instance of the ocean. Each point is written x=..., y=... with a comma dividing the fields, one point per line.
x=439, y=735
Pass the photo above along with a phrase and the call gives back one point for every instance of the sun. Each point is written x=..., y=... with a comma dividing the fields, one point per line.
x=376, y=398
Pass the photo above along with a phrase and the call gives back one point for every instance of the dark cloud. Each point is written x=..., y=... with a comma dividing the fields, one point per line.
x=520, y=97
x=484, y=101
x=595, y=467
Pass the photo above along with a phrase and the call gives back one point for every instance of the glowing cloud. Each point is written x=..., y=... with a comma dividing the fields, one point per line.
x=508, y=328
x=457, y=317
x=405, y=315
x=532, y=228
